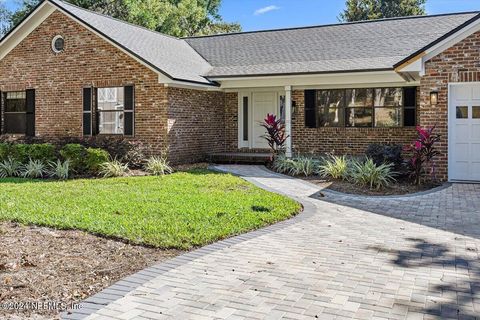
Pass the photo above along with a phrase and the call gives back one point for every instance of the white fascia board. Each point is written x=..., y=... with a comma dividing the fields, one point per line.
x=25, y=28
x=167, y=82
x=378, y=78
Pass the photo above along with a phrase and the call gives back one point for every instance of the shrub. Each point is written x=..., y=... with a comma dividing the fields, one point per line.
x=275, y=134
x=33, y=169
x=113, y=168
x=385, y=153
x=4, y=151
x=369, y=174
x=282, y=164
x=59, y=169
x=44, y=152
x=10, y=168
x=304, y=166
x=334, y=167
x=158, y=166
x=75, y=154
x=423, y=153
x=94, y=159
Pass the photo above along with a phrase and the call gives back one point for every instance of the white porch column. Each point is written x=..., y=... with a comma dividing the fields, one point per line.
x=288, y=120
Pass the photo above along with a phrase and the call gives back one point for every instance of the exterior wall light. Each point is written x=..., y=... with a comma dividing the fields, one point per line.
x=434, y=98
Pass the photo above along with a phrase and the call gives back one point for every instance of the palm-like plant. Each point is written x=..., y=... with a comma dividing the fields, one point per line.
x=275, y=134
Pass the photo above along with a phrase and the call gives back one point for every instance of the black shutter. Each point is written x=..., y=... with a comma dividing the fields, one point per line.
x=410, y=106
x=87, y=111
x=30, y=116
x=310, y=109
x=129, y=108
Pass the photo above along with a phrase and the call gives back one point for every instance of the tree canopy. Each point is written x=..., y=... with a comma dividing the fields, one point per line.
x=358, y=10
x=178, y=18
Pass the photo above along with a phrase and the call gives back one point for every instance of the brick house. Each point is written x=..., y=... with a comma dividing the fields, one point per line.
x=70, y=72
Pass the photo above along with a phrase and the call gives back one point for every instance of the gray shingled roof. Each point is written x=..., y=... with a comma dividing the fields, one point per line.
x=171, y=55
x=371, y=45
x=342, y=47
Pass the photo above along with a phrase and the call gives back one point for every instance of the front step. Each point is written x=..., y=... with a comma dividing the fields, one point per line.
x=239, y=158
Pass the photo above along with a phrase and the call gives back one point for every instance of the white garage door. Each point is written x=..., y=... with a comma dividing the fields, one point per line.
x=464, y=132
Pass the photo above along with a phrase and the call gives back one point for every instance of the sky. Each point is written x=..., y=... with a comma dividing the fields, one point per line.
x=274, y=14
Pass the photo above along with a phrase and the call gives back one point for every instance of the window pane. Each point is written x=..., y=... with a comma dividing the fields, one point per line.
x=111, y=122
x=110, y=99
x=462, y=112
x=409, y=117
x=331, y=98
x=330, y=117
x=359, y=97
x=15, y=122
x=358, y=117
x=388, y=97
x=15, y=102
x=388, y=117
x=475, y=112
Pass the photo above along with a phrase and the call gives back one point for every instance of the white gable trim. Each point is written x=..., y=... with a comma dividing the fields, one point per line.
x=26, y=27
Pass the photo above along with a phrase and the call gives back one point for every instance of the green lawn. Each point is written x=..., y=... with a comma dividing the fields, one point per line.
x=182, y=210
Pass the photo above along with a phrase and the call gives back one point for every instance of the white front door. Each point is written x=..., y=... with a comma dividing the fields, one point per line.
x=263, y=103
x=464, y=132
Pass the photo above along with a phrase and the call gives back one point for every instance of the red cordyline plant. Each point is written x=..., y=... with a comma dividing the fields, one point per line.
x=275, y=134
x=423, y=151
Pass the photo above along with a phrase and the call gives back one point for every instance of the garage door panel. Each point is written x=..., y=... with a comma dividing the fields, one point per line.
x=476, y=131
x=464, y=132
x=475, y=151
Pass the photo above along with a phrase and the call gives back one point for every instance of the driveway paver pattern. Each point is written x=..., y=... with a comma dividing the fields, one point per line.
x=345, y=257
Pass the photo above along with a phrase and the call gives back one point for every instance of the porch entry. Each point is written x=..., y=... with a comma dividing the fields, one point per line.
x=464, y=132
x=253, y=108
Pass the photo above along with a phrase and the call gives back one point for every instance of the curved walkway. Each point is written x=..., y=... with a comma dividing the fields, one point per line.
x=344, y=257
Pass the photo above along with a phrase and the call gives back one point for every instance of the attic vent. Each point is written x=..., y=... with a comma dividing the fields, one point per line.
x=58, y=44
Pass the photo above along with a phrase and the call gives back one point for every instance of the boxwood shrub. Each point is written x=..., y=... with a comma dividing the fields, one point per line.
x=21, y=152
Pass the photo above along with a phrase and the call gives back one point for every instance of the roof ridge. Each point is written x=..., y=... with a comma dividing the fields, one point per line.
x=116, y=19
x=334, y=24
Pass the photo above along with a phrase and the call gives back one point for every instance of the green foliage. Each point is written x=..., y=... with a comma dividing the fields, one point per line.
x=75, y=154
x=178, y=18
x=83, y=159
x=183, y=210
x=282, y=164
x=34, y=169
x=368, y=174
x=4, y=19
x=158, y=166
x=359, y=10
x=334, y=167
x=24, y=152
x=113, y=168
x=59, y=169
x=10, y=168
x=94, y=159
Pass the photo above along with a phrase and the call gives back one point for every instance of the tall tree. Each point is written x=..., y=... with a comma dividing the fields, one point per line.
x=358, y=10
x=4, y=19
x=178, y=18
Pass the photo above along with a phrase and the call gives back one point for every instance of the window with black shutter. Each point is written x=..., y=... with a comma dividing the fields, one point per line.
x=115, y=110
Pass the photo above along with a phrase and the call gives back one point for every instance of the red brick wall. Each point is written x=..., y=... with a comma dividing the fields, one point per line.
x=88, y=60
x=460, y=63
x=196, y=124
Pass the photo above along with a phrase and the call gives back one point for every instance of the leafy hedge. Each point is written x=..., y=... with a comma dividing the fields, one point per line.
x=24, y=152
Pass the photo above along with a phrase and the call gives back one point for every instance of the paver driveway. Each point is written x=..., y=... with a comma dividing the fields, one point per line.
x=344, y=257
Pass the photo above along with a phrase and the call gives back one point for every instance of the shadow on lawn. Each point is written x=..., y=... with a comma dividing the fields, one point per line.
x=25, y=180
x=456, y=294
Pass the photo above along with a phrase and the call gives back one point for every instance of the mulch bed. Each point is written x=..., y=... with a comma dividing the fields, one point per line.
x=398, y=188
x=62, y=266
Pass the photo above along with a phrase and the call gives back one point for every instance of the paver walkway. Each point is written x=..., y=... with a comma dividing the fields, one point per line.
x=344, y=257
